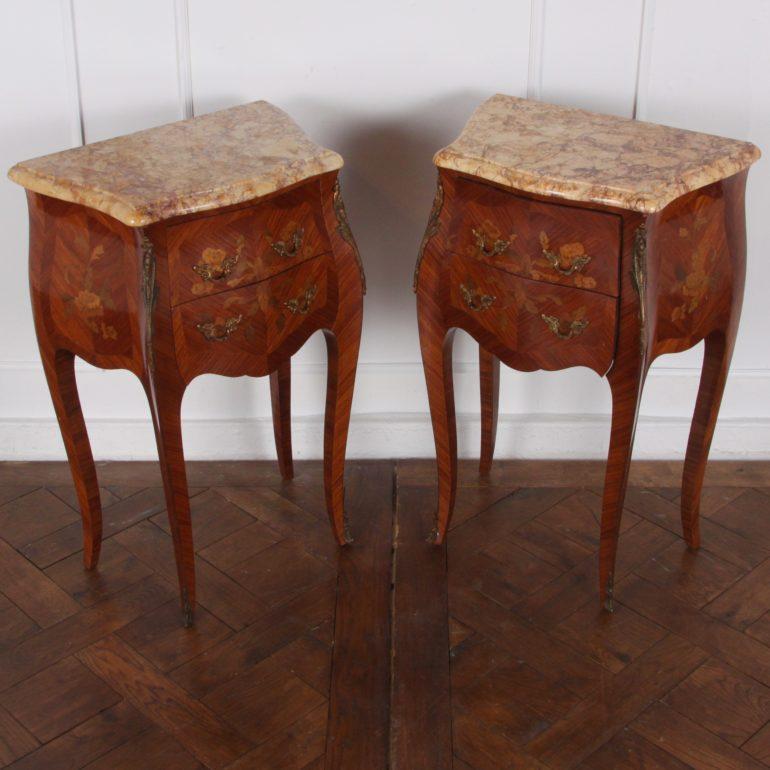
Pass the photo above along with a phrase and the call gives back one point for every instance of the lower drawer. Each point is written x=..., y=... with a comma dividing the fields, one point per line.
x=530, y=324
x=248, y=330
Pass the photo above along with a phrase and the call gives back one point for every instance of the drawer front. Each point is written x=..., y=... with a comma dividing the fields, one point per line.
x=527, y=323
x=247, y=330
x=542, y=241
x=221, y=252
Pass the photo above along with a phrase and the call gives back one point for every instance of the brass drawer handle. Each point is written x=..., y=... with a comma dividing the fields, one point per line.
x=214, y=265
x=498, y=247
x=283, y=250
x=554, y=324
x=302, y=303
x=577, y=264
x=214, y=332
x=475, y=301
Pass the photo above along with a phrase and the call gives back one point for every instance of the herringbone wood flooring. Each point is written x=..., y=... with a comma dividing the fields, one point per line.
x=490, y=653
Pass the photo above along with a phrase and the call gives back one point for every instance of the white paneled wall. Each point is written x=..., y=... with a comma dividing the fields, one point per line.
x=386, y=85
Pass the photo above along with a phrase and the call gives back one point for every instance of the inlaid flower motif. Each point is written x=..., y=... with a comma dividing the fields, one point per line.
x=109, y=332
x=694, y=286
x=584, y=281
x=213, y=257
x=88, y=302
x=569, y=251
x=92, y=298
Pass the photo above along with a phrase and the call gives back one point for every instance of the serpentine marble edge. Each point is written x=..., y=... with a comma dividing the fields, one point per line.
x=194, y=165
x=584, y=156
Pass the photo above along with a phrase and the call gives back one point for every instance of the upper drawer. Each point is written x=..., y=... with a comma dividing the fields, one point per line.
x=541, y=241
x=220, y=252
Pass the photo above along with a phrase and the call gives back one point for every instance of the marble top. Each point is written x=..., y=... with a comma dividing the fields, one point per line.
x=584, y=156
x=194, y=165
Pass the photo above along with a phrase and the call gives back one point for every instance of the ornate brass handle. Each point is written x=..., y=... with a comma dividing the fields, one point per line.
x=498, y=247
x=302, y=303
x=215, y=332
x=475, y=301
x=296, y=243
x=575, y=267
x=214, y=265
x=554, y=324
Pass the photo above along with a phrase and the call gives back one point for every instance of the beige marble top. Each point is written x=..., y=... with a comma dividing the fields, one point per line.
x=193, y=165
x=584, y=156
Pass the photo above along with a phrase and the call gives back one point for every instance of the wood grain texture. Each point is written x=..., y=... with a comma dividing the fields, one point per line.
x=420, y=719
x=236, y=292
x=198, y=729
x=489, y=652
x=359, y=702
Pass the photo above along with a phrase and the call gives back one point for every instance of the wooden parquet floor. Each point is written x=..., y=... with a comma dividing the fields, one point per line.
x=489, y=653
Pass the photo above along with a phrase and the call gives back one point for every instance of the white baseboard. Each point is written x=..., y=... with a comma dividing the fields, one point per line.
x=543, y=415
x=389, y=436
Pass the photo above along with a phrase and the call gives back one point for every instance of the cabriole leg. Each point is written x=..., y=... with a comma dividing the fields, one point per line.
x=716, y=363
x=626, y=386
x=280, y=399
x=436, y=346
x=166, y=408
x=342, y=345
x=59, y=369
x=489, y=379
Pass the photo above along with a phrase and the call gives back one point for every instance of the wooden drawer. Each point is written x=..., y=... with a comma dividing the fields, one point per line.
x=529, y=323
x=247, y=330
x=542, y=241
x=213, y=254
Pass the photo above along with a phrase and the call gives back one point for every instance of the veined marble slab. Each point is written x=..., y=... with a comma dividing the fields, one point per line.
x=194, y=165
x=584, y=156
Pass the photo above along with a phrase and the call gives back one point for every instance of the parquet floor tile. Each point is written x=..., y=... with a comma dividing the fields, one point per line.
x=489, y=652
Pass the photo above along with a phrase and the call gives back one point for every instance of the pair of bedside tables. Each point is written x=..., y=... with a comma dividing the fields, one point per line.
x=557, y=238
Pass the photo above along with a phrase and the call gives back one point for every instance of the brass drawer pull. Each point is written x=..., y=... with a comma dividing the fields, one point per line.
x=214, y=332
x=283, y=250
x=498, y=247
x=554, y=324
x=577, y=264
x=214, y=265
x=475, y=301
x=302, y=303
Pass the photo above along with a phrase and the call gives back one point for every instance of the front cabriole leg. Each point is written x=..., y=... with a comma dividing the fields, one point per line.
x=626, y=379
x=165, y=389
x=343, y=339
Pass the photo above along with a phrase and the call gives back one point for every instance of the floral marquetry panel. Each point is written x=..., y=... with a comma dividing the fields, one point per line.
x=91, y=281
x=693, y=269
